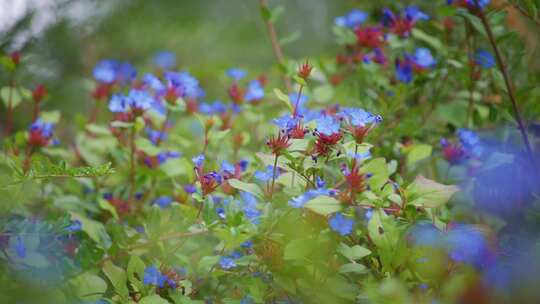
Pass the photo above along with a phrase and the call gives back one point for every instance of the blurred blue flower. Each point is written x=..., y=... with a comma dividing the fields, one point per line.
x=266, y=175
x=227, y=262
x=423, y=58
x=341, y=224
x=198, y=160
x=76, y=225
x=404, y=69
x=255, y=91
x=484, y=59
x=163, y=201
x=236, y=73
x=353, y=19
x=165, y=59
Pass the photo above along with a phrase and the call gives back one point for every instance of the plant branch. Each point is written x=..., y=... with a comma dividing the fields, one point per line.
x=502, y=67
x=276, y=47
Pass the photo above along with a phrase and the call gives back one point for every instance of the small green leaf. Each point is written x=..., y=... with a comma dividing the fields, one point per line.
x=247, y=187
x=281, y=96
x=352, y=268
x=153, y=299
x=323, y=93
x=353, y=253
x=430, y=194
x=88, y=286
x=323, y=205
x=118, y=278
x=417, y=153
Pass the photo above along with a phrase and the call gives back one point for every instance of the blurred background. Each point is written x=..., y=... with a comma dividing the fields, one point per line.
x=63, y=39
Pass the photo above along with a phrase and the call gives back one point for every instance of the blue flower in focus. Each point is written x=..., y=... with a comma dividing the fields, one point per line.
x=227, y=262
x=118, y=104
x=484, y=59
x=358, y=117
x=328, y=125
x=286, y=122
x=423, y=58
x=352, y=19
x=255, y=91
x=236, y=73
x=341, y=224
x=76, y=225
x=165, y=59
x=163, y=201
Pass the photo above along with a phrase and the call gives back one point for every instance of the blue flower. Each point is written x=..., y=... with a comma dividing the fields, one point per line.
x=227, y=167
x=151, y=275
x=249, y=207
x=163, y=201
x=76, y=225
x=236, y=74
x=165, y=59
x=140, y=100
x=467, y=245
x=150, y=80
x=105, y=71
x=186, y=83
x=484, y=59
x=404, y=70
x=255, y=91
x=155, y=136
x=45, y=128
x=414, y=14
x=198, y=160
x=341, y=224
x=470, y=142
x=358, y=117
x=423, y=58
x=19, y=247
x=301, y=200
x=352, y=19
x=217, y=107
x=265, y=176
x=227, y=262
x=286, y=122
x=327, y=125
x=118, y=104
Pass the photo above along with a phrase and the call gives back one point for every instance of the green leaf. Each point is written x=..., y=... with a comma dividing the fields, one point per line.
x=135, y=266
x=323, y=205
x=118, y=278
x=265, y=13
x=298, y=249
x=147, y=146
x=417, y=153
x=95, y=230
x=352, y=268
x=290, y=38
x=88, y=286
x=283, y=97
x=14, y=94
x=353, y=253
x=379, y=173
x=247, y=187
x=429, y=194
x=153, y=299
x=431, y=40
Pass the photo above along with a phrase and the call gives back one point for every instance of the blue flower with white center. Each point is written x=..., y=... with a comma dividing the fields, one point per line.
x=165, y=60
x=414, y=14
x=76, y=225
x=236, y=74
x=266, y=175
x=352, y=19
x=105, y=71
x=484, y=59
x=227, y=262
x=328, y=125
x=198, y=160
x=163, y=201
x=341, y=224
x=255, y=91
x=423, y=58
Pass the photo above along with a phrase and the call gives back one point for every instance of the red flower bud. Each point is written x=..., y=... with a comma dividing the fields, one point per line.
x=39, y=92
x=15, y=57
x=305, y=70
